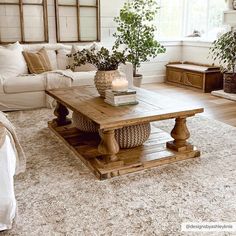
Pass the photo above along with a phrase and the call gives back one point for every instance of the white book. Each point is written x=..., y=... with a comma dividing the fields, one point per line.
x=123, y=96
x=121, y=104
x=115, y=94
x=121, y=100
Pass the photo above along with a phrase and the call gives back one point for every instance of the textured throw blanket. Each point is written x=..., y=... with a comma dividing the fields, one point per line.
x=57, y=79
x=3, y=133
x=10, y=131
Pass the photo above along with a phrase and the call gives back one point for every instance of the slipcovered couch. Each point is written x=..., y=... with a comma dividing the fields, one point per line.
x=12, y=162
x=27, y=91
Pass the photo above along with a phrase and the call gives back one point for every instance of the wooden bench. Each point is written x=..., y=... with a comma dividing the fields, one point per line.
x=196, y=76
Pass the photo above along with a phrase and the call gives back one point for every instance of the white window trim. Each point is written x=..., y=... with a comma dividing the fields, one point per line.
x=184, y=30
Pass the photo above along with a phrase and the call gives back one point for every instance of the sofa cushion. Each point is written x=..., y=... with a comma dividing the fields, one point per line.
x=21, y=84
x=38, y=62
x=62, y=59
x=52, y=56
x=47, y=46
x=12, y=62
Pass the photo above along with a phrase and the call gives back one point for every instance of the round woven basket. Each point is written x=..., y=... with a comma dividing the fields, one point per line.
x=84, y=124
x=127, y=137
x=132, y=136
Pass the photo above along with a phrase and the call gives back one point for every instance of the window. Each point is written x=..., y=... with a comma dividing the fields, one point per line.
x=78, y=20
x=24, y=21
x=205, y=16
x=170, y=18
x=179, y=18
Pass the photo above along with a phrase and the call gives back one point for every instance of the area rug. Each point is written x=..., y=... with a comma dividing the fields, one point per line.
x=222, y=94
x=58, y=195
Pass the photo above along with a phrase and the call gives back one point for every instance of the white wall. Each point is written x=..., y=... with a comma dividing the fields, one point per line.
x=196, y=51
x=153, y=71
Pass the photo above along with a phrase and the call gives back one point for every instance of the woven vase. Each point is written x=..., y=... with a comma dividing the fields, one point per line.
x=103, y=80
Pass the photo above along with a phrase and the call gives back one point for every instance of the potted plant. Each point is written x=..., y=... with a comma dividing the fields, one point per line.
x=224, y=49
x=106, y=63
x=136, y=32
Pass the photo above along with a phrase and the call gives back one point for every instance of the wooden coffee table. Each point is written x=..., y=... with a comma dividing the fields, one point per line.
x=102, y=155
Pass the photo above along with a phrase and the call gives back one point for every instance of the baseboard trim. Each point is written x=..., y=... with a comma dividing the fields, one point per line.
x=153, y=79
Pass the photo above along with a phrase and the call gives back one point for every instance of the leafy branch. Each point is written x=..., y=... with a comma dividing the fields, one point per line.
x=224, y=49
x=102, y=59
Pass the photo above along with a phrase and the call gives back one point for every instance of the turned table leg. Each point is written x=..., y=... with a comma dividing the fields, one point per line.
x=180, y=134
x=61, y=113
x=109, y=146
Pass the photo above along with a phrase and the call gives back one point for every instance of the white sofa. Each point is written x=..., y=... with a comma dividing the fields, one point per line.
x=7, y=196
x=28, y=91
x=12, y=162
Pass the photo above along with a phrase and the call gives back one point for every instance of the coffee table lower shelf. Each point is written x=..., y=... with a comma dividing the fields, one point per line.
x=151, y=154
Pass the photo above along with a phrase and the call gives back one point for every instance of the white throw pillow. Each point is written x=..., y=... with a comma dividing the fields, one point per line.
x=62, y=59
x=88, y=46
x=12, y=62
x=52, y=58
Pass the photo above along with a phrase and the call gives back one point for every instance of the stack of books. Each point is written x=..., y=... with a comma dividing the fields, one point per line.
x=121, y=98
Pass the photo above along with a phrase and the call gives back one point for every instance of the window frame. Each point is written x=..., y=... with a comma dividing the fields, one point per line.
x=21, y=5
x=78, y=6
x=185, y=19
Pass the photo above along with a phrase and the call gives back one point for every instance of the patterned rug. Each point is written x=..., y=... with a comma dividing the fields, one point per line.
x=58, y=195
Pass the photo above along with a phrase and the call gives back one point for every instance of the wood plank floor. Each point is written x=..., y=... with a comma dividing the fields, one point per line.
x=217, y=108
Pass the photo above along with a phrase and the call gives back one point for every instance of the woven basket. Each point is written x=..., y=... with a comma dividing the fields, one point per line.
x=84, y=124
x=103, y=80
x=132, y=136
x=229, y=83
x=127, y=137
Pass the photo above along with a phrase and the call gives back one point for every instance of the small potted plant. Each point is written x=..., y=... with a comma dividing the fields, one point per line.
x=136, y=32
x=106, y=62
x=224, y=50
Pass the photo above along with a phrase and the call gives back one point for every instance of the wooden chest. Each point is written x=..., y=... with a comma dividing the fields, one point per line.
x=196, y=76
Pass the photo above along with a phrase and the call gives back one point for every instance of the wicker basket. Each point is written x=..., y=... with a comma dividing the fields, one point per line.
x=84, y=124
x=132, y=136
x=229, y=83
x=127, y=137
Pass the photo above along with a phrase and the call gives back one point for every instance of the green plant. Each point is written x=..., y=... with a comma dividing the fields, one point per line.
x=102, y=59
x=224, y=49
x=137, y=32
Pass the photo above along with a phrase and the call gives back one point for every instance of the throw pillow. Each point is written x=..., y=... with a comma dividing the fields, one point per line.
x=12, y=62
x=62, y=59
x=38, y=62
x=52, y=58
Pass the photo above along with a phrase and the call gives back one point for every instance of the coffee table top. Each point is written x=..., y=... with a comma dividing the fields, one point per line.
x=152, y=107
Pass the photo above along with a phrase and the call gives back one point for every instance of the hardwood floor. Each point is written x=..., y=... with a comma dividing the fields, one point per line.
x=217, y=108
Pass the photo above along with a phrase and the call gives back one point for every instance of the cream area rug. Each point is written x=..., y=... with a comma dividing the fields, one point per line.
x=57, y=195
